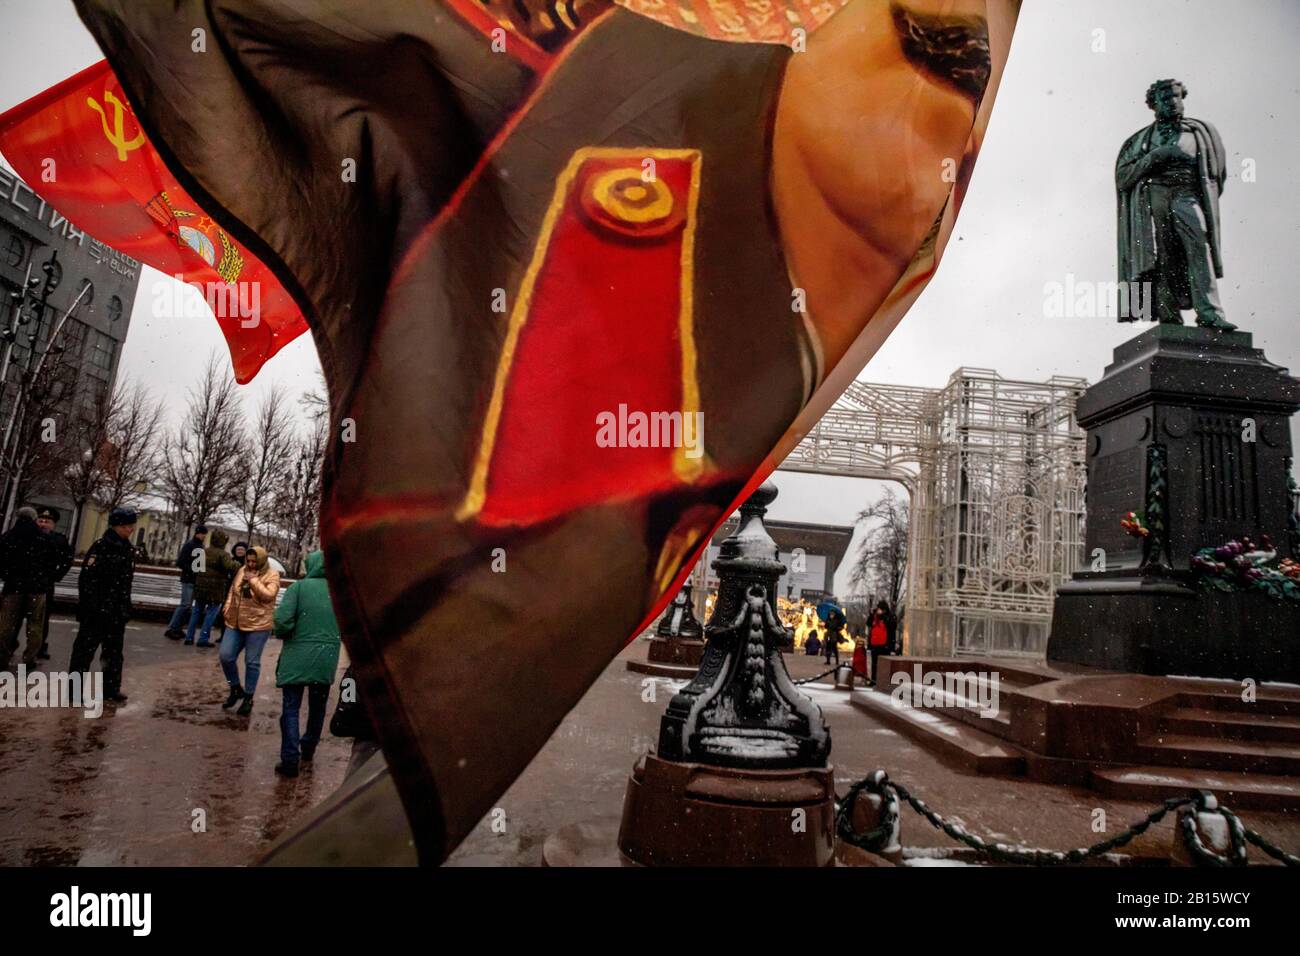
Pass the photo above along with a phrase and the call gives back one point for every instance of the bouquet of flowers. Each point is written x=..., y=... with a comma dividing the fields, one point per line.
x=1241, y=565
x=1133, y=524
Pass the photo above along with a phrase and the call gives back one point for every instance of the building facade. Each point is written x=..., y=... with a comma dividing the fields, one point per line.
x=59, y=268
x=811, y=554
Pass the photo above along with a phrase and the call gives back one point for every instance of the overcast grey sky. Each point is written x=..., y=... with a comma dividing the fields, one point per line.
x=1041, y=205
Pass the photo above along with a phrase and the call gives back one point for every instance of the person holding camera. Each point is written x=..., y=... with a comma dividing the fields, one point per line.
x=250, y=614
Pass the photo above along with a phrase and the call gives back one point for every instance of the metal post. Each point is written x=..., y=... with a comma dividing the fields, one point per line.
x=19, y=297
x=16, y=470
x=741, y=709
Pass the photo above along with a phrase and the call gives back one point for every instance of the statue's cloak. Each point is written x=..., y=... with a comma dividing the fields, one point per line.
x=1137, y=230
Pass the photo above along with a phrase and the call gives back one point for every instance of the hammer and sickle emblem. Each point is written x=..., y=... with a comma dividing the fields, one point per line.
x=116, y=135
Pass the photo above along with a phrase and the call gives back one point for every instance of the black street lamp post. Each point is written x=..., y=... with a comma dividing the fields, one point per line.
x=741, y=776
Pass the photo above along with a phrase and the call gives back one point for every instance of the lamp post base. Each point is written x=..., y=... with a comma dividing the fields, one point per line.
x=689, y=814
x=680, y=652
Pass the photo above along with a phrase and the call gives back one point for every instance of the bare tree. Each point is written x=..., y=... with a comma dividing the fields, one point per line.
x=269, y=450
x=39, y=427
x=315, y=402
x=130, y=458
x=881, y=563
x=296, y=501
x=203, y=466
x=84, y=475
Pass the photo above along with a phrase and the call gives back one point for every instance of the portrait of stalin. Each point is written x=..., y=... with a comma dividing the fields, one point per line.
x=707, y=206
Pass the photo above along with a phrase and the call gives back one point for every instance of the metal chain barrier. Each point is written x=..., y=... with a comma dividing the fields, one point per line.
x=1276, y=852
x=878, y=783
x=889, y=792
x=1206, y=802
x=809, y=680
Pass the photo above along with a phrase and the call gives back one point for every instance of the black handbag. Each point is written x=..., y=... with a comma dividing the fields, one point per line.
x=350, y=718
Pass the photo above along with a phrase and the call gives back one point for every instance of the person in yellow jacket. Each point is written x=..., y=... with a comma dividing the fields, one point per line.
x=250, y=613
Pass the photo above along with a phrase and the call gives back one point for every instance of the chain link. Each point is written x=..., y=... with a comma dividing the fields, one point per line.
x=878, y=783
x=809, y=680
x=1276, y=852
x=889, y=792
x=1206, y=803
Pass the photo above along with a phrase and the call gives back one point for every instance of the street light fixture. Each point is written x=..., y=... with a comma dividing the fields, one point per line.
x=9, y=460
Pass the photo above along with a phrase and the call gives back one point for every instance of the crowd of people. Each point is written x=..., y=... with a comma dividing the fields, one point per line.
x=230, y=599
x=235, y=595
x=881, y=637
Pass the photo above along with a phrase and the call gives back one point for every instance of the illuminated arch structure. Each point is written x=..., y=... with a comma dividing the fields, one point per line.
x=995, y=472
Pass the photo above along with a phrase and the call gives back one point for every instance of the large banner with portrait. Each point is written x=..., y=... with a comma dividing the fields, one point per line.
x=579, y=276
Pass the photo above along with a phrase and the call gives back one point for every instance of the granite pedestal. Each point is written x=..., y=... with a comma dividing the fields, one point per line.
x=1189, y=427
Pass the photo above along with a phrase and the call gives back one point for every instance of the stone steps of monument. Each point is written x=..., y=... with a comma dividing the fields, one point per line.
x=1195, y=721
x=965, y=704
x=1236, y=791
x=1248, y=756
x=967, y=710
x=1011, y=672
x=969, y=748
x=997, y=726
x=1278, y=704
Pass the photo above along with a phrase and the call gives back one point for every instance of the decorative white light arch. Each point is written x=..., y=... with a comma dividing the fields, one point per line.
x=995, y=471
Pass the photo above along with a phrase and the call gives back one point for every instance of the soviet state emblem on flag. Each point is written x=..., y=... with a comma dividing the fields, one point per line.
x=81, y=145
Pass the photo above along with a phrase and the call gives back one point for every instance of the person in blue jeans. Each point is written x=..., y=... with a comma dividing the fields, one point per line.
x=211, y=585
x=188, y=563
x=296, y=750
x=250, y=612
x=305, y=622
x=202, y=617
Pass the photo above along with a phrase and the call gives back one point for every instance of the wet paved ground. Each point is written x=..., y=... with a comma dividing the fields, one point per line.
x=124, y=788
x=581, y=774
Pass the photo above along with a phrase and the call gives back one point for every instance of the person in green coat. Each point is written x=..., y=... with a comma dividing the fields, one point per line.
x=308, y=661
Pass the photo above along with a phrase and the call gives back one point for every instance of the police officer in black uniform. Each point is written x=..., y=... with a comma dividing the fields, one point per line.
x=61, y=561
x=104, y=602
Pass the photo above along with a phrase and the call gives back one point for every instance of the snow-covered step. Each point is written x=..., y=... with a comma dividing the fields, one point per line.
x=958, y=741
x=1279, y=702
x=1248, y=756
x=1237, y=791
x=1235, y=724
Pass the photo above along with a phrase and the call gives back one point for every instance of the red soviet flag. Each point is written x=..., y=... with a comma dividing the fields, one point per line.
x=81, y=147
